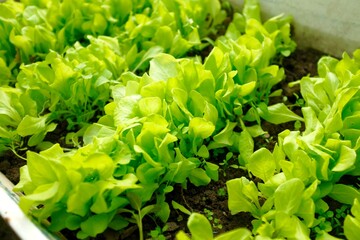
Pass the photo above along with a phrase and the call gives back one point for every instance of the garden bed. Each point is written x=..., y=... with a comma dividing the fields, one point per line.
x=301, y=63
x=210, y=199
x=167, y=119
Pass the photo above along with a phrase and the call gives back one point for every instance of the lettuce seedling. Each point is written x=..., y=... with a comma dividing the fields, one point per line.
x=19, y=116
x=249, y=47
x=200, y=228
x=76, y=87
x=352, y=224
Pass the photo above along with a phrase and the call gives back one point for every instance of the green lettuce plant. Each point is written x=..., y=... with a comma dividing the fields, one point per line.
x=351, y=223
x=74, y=87
x=200, y=228
x=20, y=117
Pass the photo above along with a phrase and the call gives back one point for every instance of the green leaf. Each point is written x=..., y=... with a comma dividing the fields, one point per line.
x=147, y=157
x=246, y=88
x=180, y=170
x=163, y=67
x=199, y=127
x=146, y=210
x=301, y=166
x=252, y=10
x=94, y=225
x=180, y=97
x=217, y=62
x=181, y=235
x=290, y=227
x=212, y=170
x=307, y=212
x=198, y=177
x=118, y=223
x=239, y=234
x=200, y=228
x=278, y=113
x=101, y=163
x=346, y=159
x=150, y=54
x=103, y=205
x=313, y=93
x=36, y=139
x=80, y=199
x=243, y=195
x=180, y=207
x=163, y=211
x=352, y=223
x=41, y=170
x=39, y=195
x=150, y=105
x=262, y=164
x=135, y=200
x=268, y=188
x=288, y=196
x=164, y=36
x=197, y=104
x=255, y=130
x=203, y=152
x=326, y=236
x=61, y=219
x=226, y=137
x=9, y=108
x=333, y=121
x=344, y=193
x=246, y=147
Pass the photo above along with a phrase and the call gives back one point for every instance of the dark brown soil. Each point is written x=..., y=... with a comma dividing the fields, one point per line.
x=9, y=166
x=210, y=200
x=6, y=232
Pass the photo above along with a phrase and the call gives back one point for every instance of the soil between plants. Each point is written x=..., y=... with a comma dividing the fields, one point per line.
x=6, y=233
x=210, y=200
